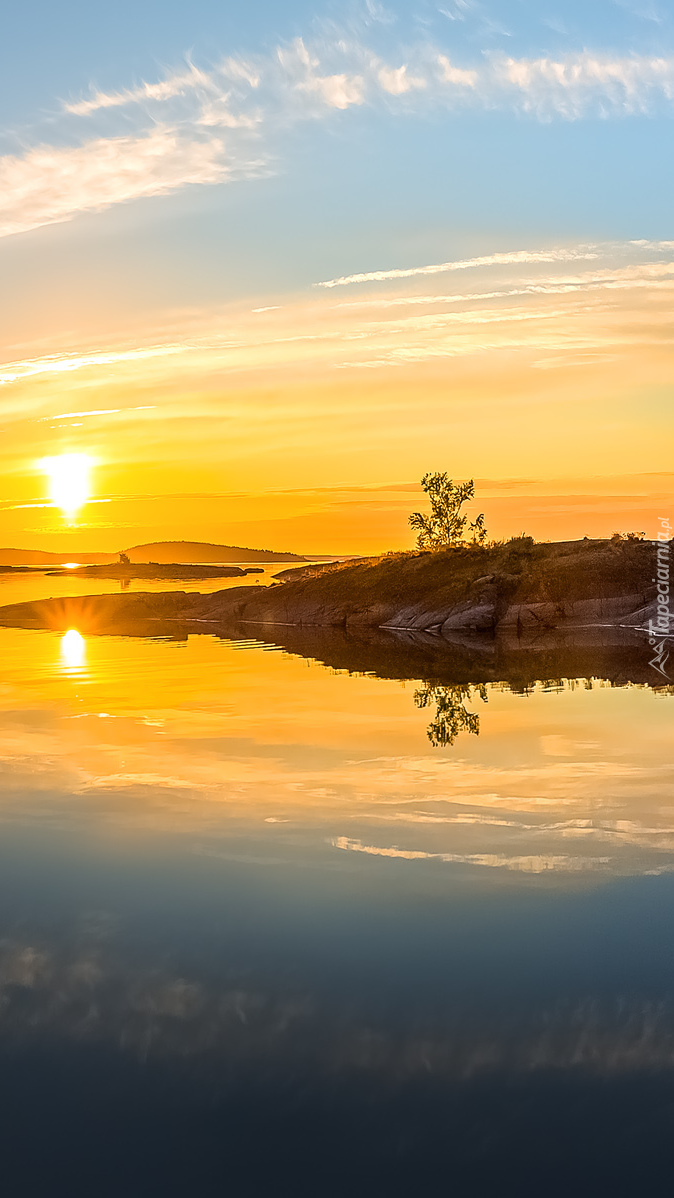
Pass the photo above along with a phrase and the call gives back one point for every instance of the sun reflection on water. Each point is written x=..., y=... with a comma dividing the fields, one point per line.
x=73, y=650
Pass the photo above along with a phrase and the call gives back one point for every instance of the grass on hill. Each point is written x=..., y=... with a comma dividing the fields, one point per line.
x=523, y=569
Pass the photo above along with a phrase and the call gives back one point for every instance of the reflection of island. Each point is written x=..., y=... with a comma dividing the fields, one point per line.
x=451, y=717
x=618, y=655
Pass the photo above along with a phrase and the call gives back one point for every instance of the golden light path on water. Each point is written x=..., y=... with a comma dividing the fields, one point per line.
x=233, y=743
x=73, y=649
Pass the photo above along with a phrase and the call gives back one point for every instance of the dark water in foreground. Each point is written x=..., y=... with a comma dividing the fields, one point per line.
x=259, y=935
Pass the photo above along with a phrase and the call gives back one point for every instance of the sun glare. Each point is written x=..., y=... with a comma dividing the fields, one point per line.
x=73, y=648
x=69, y=484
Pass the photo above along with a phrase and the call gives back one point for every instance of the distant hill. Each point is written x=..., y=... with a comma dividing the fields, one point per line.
x=44, y=557
x=199, y=551
x=163, y=552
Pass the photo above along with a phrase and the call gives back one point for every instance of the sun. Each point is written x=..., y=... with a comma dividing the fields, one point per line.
x=69, y=481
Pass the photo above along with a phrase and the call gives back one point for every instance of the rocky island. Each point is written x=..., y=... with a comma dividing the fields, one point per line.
x=515, y=613
x=512, y=589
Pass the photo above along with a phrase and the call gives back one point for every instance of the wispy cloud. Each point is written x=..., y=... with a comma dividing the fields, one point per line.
x=478, y=15
x=14, y=372
x=50, y=184
x=99, y=412
x=458, y=10
x=585, y=84
x=620, y=278
x=516, y=304
x=176, y=85
x=206, y=125
x=645, y=12
x=511, y=258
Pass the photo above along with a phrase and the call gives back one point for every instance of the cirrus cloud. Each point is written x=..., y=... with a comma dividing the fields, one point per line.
x=50, y=184
x=203, y=126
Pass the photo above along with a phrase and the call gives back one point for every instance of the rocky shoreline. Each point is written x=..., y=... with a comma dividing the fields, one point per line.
x=526, y=590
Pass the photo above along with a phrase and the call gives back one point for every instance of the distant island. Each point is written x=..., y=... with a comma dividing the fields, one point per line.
x=156, y=552
x=192, y=552
x=126, y=571
x=45, y=557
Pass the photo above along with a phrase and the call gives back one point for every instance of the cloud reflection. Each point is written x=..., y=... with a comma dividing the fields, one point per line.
x=541, y=863
x=267, y=755
x=91, y=990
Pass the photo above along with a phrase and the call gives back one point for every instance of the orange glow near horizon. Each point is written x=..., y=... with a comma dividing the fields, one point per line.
x=307, y=427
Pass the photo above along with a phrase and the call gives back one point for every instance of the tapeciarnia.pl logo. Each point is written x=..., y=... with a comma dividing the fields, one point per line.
x=658, y=630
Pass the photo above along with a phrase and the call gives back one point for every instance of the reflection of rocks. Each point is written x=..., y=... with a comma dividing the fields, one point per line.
x=614, y=654
x=451, y=717
x=518, y=656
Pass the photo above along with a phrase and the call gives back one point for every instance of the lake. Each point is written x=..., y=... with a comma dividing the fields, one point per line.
x=271, y=925
x=39, y=584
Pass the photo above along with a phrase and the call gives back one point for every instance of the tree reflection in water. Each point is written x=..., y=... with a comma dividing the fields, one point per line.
x=451, y=716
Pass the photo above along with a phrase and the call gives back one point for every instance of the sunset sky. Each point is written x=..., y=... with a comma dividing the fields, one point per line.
x=265, y=264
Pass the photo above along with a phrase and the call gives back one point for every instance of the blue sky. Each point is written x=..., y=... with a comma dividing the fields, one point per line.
x=398, y=176
x=341, y=189
x=70, y=44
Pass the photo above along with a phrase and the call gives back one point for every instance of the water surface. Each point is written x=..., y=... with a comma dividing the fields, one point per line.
x=261, y=930
x=40, y=584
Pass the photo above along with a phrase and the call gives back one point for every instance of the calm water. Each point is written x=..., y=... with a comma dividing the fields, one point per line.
x=260, y=934
x=23, y=588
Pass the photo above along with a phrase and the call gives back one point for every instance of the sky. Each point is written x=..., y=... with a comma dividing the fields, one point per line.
x=265, y=265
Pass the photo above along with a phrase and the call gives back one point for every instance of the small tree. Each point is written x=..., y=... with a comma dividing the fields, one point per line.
x=124, y=559
x=446, y=525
